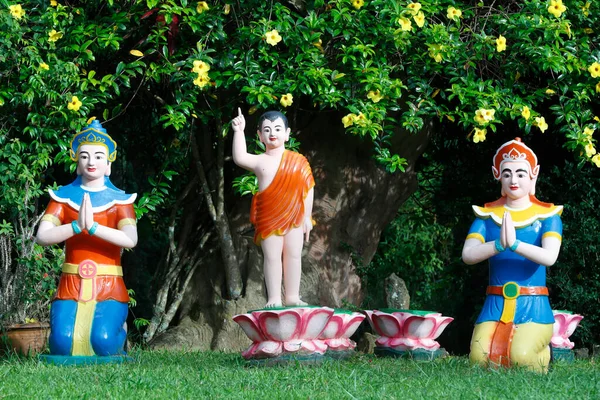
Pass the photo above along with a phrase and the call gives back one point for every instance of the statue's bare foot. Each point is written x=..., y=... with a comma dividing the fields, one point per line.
x=273, y=304
x=295, y=302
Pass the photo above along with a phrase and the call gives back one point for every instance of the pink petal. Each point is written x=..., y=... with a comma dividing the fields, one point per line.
x=387, y=325
x=281, y=325
x=314, y=321
x=250, y=327
x=416, y=327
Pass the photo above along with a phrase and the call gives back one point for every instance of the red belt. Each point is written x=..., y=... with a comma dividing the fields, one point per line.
x=523, y=290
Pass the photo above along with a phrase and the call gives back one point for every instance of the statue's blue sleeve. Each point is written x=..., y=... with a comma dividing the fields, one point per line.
x=552, y=227
x=478, y=230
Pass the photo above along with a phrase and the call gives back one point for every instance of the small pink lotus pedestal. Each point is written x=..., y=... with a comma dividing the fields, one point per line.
x=337, y=332
x=408, y=333
x=565, y=323
x=305, y=334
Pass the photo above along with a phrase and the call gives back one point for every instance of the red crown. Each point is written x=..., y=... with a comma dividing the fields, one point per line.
x=515, y=150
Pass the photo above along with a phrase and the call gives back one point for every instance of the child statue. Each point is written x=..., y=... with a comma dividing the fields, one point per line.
x=281, y=210
x=97, y=220
x=521, y=237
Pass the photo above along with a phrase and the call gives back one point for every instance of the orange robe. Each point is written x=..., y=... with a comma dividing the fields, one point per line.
x=280, y=207
x=83, y=247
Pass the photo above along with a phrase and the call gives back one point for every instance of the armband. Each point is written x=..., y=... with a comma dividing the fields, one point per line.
x=92, y=230
x=515, y=245
x=498, y=246
x=75, y=227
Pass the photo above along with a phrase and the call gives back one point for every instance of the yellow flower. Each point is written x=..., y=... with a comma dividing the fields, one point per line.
x=319, y=45
x=202, y=80
x=500, y=44
x=53, y=36
x=419, y=19
x=74, y=104
x=414, y=7
x=550, y=92
x=596, y=118
x=200, y=67
x=405, y=24
x=589, y=31
x=358, y=3
x=479, y=135
x=556, y=8
x=590, y=150
x=16, y=11
x=201, y=7
x=588, y=131
x=136, y=53
x=594, y=70
x=348, y=120
x=53, y=3
x=375, y=96
x=45, y=66
x=525, y=113
x=435, y=52
x=596, y=160
x=286, y=100
x=483, y=116
x=273, y=37
x=227, y=9
x=540, y=122
x=453, y=13
x=598, y=87
x=586, y=9
x=360, y=119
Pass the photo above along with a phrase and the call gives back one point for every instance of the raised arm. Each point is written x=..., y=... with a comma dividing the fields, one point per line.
x=545, y=255
x=50, y=233
x=475, y=252
x=125, y=237
x=240, y=153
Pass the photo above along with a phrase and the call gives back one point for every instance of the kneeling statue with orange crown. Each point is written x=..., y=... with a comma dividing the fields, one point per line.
x=521, y=237
x=97, y=220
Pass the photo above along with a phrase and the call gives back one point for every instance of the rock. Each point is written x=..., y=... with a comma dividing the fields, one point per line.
x=582, y=354
x=366, y=344
x=396, y=293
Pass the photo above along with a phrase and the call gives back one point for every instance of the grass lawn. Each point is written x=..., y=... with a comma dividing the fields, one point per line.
x=188, y=375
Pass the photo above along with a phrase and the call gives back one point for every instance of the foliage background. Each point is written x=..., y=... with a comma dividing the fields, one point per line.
x=169, y=114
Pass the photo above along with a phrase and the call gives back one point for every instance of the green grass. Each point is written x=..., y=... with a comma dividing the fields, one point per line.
x=162, y=375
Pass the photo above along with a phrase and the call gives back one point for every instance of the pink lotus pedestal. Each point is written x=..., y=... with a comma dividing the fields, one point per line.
x=337, y=332
x=304, y=333
x=565, y=323
x=408, y=333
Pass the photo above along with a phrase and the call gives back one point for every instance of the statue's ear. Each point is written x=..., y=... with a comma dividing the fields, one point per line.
x=107, y=172
x=536, y=172
x=495, y=172
x=78, y=170
x=287, y=134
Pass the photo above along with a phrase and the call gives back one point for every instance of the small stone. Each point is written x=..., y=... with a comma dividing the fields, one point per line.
x=582, y=354
x=366, y=344
x=396, y=293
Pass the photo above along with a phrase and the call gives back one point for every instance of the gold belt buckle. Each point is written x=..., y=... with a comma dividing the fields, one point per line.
x=510, y=292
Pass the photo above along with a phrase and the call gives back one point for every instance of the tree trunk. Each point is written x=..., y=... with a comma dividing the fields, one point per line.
x=355, y=198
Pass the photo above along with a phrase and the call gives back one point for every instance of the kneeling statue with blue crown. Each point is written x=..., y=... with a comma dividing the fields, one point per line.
x=97, y=220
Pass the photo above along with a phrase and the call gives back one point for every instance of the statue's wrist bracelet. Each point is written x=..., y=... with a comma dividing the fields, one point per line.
x=515, y=245
x=76, y=228
x=92, y=230
x=498, y=246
